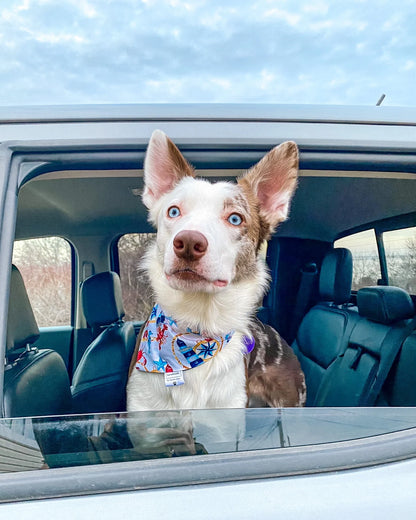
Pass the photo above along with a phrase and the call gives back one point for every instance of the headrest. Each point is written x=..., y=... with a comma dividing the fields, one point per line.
x=22, y=328
x=385, y=304
x=335, y=278
x=101, y=299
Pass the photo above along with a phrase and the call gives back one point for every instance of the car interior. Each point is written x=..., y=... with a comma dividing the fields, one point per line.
x=351, y=326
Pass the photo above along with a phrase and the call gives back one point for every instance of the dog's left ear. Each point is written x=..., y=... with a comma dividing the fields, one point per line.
x=273, y=180
x=164, y=166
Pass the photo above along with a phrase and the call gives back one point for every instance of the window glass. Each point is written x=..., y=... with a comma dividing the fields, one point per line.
x=400, y=248
x=366, y=263
x=135, y=287
x=107, y=438
x=45, y=265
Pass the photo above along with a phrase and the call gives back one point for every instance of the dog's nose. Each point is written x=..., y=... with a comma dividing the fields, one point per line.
x=190, y=245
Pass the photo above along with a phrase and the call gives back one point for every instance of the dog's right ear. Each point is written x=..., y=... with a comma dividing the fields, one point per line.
x=164, y=167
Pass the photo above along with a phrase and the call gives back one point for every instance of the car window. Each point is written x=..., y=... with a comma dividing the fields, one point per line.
x=366, y=263
x=37, y=443
x=46, y=267
x=95, y=440
x=135, y=287
x=400, y=248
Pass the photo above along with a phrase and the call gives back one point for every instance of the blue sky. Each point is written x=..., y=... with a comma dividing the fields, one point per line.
x=174, y=51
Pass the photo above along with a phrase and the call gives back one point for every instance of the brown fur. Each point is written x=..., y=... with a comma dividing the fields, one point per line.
x=136, y=352
x=246, y=262
x=259, y=230
x=179, y=163
x=275, y=377
x=264, y=179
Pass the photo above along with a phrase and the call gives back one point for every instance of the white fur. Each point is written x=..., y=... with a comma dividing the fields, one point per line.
x=201, y=204
x=204, y=386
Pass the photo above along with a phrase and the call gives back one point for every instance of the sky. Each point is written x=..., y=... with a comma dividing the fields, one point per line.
x=207, y=51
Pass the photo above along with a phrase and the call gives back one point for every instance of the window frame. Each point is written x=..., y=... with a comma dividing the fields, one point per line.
x=39, y=157
x=216, y=468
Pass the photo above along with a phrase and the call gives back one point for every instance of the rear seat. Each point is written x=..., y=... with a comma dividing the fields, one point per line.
x=400, y=387
x=324, y=331
x=356, y=377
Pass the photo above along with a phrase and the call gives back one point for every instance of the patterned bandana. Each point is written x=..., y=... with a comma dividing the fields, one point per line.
x=164, y=349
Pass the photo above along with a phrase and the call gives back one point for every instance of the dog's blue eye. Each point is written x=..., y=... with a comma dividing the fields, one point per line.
x=174, y=212
x=235, y=219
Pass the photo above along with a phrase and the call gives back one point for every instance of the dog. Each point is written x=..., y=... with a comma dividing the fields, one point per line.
x=201, y=346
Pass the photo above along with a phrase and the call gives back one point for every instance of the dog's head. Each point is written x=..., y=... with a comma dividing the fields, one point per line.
x=209, y=234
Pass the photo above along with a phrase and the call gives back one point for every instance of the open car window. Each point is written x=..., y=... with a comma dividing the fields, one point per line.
x=43, y=443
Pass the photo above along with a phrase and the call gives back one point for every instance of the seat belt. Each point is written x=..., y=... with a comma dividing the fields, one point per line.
x=309, y=274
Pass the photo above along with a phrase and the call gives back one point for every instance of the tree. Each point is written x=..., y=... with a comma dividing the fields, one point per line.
x=45, y=265
x=138, y=296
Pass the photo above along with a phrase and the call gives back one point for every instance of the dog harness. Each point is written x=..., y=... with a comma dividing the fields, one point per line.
x=164, y=349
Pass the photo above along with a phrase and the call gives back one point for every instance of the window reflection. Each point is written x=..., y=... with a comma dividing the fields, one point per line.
x=27, y=444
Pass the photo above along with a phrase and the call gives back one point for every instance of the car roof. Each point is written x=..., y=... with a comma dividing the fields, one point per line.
x=211, y=112
x=357, y=163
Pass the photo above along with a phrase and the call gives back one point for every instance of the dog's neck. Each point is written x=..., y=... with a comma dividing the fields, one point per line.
x=228, y=309
x=166, y=348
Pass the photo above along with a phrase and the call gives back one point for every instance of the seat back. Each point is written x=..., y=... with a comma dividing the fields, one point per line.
x=324, y=331
x=400, y=388
x=356, y=377
x=36, y=382
x=100, y=379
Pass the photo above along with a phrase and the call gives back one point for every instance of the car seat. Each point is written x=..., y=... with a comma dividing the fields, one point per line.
x=100, y=379
x=36, y=381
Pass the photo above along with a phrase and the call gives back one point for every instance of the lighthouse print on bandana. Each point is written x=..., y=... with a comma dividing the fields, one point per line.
x=163, y=348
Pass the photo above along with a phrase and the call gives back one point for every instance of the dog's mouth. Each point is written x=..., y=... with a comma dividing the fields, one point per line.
x=192, y=277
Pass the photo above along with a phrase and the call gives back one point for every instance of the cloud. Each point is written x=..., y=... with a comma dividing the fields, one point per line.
x=116, y=51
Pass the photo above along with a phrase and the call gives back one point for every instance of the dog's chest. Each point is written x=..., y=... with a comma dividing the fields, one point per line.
x=219, y=383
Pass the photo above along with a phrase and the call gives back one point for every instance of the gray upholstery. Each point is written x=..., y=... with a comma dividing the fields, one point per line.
x=36, y=382
x=100, y=379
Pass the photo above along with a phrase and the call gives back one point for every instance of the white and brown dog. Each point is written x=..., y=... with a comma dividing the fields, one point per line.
x=202, y=346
